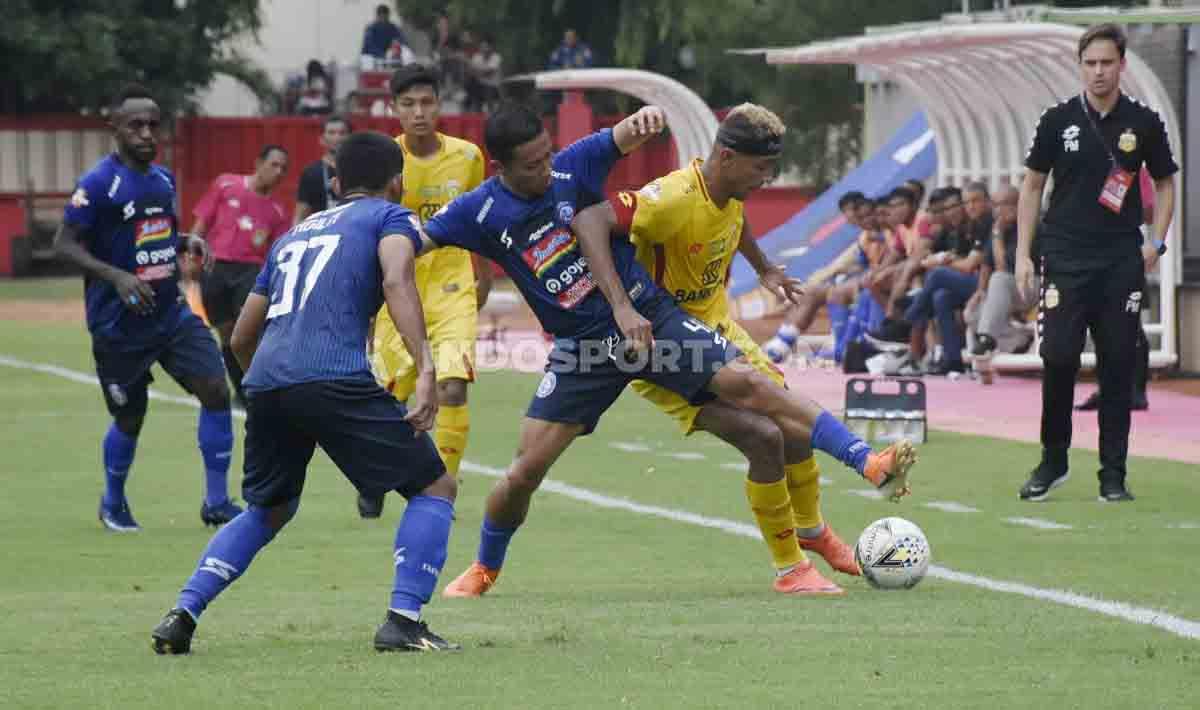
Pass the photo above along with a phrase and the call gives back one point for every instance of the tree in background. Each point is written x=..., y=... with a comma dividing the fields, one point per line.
x=72, y=55
x=689, y=39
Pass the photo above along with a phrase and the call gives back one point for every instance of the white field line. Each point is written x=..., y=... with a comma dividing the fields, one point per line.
x=629, y=446
x=1118, y=610
x=869, y=493
x=686, y=455
x=1038, y=523
x=947, y=506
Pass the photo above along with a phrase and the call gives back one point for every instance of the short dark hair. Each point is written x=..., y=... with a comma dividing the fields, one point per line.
x=411, y=75
x=854, y=197
x=129, y=91
x=368, y=160
x=509, y=126
x=917, y=186
x=1109, y=31
x=977, y=186
x=269, y=148
x=382, y=9
x=944, y=193
x=337, y=118
x=905, y=194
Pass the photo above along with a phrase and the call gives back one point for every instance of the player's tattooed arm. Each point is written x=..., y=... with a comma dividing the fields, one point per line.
x=639, y=127
x=137, y=295
x=594, y=227
x=249, y=328
x=396, y=257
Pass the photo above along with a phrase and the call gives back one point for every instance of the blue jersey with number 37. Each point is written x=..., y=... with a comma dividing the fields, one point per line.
x=324, y=284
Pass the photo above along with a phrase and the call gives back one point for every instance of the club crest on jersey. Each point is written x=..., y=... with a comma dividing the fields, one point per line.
x=151, y=230
x=566, y=213
x=1050, y=297
x=1127, y=143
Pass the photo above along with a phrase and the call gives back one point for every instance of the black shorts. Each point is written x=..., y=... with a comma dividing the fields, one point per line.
x=357, y=423
x=1108, y=302
x=584, y=378
x=189, y=352
x=225, y=289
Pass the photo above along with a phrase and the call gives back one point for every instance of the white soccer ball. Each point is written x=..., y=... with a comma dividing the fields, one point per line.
x=893, y=554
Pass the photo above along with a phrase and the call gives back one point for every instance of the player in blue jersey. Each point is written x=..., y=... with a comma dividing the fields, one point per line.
x=523, y=219
x=120, y=229
x=301, y=338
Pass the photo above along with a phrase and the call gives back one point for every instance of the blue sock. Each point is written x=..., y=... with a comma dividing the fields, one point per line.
x=227, y=556
x=839, y=316
x=493, y=544
x=832, y=437
x=215, y=434
x=118, y=457
x=420, y=552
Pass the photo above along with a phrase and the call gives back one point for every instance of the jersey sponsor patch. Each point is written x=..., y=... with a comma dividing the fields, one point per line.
x=148, y=231
x=548, y=250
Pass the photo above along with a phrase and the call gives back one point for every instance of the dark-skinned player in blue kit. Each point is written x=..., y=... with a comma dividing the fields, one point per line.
x=301, y=337
x=120, y=229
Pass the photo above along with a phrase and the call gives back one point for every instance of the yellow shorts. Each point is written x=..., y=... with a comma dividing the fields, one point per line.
x=450, y=322
x=678, y=408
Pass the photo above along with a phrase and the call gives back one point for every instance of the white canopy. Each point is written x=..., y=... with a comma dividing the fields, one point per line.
x=982, y=87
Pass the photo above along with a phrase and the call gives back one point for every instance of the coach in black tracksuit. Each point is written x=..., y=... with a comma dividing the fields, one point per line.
x=1088, y=246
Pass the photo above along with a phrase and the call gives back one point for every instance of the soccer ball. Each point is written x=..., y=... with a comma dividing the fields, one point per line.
x=893, y=554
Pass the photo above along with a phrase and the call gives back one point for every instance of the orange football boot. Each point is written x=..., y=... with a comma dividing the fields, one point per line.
x=805, y=579
x=837, y=553
x=888, y=469
x=475, y=582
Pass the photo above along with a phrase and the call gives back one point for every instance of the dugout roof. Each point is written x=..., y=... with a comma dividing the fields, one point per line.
x=982, y=87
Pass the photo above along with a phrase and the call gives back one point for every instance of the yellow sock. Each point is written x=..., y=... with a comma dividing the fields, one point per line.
x=450, y=435
x=773, y=512
x=804, y=487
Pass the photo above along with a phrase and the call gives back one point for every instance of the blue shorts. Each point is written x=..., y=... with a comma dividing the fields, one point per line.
x=188, y=352
x=584, y=377
x=356, y=422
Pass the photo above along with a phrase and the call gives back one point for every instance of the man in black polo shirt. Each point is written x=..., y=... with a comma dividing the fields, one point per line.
x=315, y=192
x=1092, y=268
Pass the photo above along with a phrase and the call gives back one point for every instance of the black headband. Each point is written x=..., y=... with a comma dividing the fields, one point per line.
x=742, y=143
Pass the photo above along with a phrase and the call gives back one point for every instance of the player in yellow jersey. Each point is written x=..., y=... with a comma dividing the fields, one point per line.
x=437, y=168
x=687, y=226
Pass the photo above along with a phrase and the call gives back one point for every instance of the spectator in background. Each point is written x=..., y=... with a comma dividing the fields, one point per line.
x=951, y=263
x=239, y=220
x=380, y=34
x=993, y=329
x=571, y=54
x=315, y=98
x=315, y=193
x=483, y=76
x=977, y=204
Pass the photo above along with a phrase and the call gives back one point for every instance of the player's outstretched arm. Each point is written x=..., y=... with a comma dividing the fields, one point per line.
x=137, y=295
x=396, y=257
x=594, y=227
x=773, y=277
x=248, y=329
x=639, y=127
